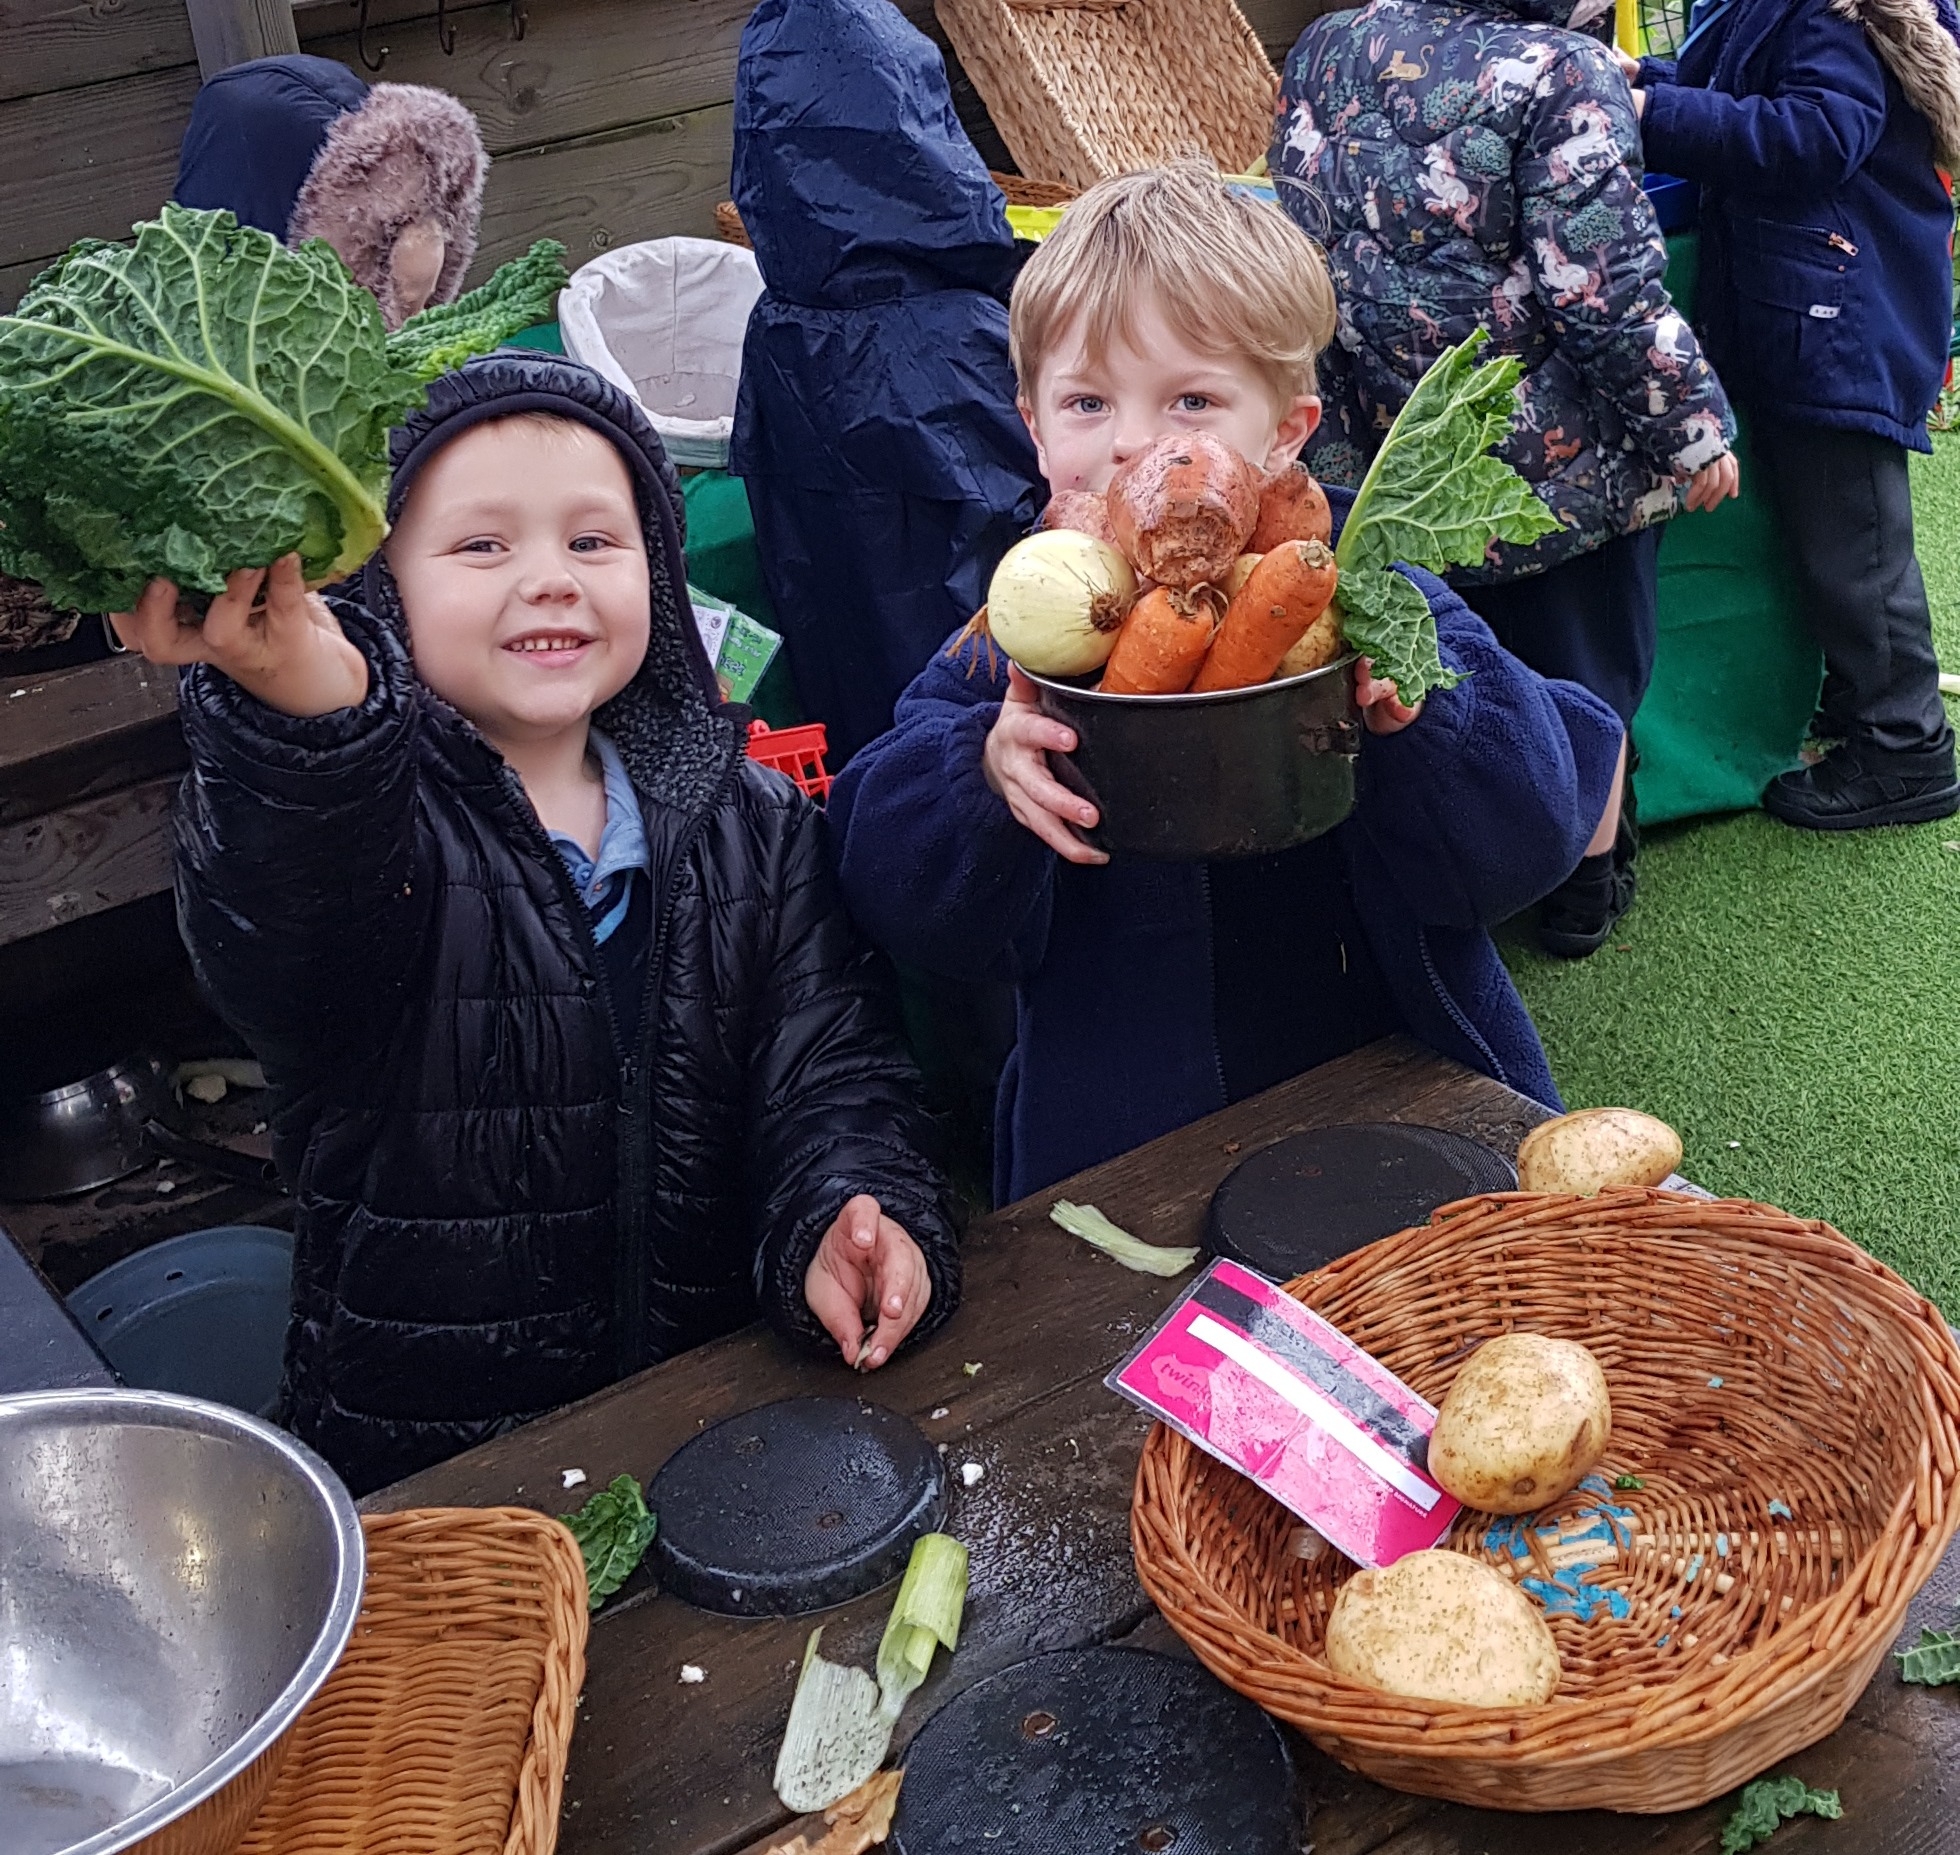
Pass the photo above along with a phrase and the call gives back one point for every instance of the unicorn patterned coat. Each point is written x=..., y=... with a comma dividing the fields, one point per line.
x=1478, y=165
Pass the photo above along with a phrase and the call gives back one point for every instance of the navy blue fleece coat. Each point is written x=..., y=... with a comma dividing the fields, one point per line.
x=1481, y=806
x=1826, y=287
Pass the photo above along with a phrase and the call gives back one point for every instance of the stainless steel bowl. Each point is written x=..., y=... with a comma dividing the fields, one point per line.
x=176, y=1581
x=83, y=1134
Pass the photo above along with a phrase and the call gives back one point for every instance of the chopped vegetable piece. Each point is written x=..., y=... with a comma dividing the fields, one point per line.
x=1433, y=497
x=1766, y=1804
x=518, y=295
x=840, y=1721
x=613, y=1530
x=930, y=1604
x=1628, y=1483
x=1163, y=641
x=858, y=1822
x=1272, y=612
x=1183, y=508
x=1086, y=1222
x=1933, y=1661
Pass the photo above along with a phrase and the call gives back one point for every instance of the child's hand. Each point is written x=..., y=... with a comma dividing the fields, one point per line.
x=1016, y=765
x=1627, y=63
x=866, y=1264
x=289, y=652
x=1382, y=710
x=1714, y=483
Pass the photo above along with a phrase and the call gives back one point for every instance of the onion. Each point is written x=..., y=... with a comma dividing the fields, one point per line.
x=1057, y=601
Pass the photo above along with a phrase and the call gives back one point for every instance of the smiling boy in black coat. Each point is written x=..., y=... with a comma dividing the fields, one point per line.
x=579, y=1059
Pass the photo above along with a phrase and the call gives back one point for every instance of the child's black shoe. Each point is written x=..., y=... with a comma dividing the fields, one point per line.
x=1581, y=913
x=1856, y=786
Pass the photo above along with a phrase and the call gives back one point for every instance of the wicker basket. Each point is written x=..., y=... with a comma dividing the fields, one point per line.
x=1019, y=190
x=1752, y=1358
x=1082, y=89
x=445, y=1728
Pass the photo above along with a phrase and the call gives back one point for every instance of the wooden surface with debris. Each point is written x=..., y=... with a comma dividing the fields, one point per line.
x=1014, y=1386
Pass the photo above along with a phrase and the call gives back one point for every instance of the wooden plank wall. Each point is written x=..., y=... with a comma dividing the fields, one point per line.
x=609, y=121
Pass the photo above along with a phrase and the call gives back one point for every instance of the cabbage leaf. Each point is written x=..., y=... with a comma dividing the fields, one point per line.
x=613, y=1529
x=1766, y=1804
x=1434, y=497
x=519, y=295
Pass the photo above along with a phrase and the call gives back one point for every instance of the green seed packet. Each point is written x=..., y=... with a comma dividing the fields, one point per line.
x=741, y=649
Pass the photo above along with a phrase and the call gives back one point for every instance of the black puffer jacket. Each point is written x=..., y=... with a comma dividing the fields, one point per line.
x=507, y=1197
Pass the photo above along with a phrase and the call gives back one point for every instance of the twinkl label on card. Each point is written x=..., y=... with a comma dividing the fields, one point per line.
x=1272, y=1390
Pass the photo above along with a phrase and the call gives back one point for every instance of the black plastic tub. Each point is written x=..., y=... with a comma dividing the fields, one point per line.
x=1238, y=773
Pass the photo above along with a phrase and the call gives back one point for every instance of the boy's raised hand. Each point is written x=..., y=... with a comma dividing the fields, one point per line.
x=288, y=651
x=1015, y=761
x=867, y=1265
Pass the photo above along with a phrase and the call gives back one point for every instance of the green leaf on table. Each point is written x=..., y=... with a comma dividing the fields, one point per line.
x=1933, y=1660
x=518, y=295
x=197, y=400
x=613, y=1531
x=1433, y=497
x=1767, y=1804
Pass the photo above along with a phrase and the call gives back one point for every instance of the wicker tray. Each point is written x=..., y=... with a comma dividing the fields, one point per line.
x=445, y=1728
x=1752, y=1357
x=1082, y=89
x=1019, y=190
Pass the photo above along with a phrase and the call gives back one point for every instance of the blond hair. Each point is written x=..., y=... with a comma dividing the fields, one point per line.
x=1230, y=273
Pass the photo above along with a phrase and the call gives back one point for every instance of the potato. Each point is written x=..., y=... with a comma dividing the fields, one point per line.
x=1527, y=1417
x=1440, y=1626
x=1596, y=1150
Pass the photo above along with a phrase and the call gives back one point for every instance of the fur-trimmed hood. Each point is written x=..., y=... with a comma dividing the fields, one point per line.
x=1920, y=43
x=409, y=154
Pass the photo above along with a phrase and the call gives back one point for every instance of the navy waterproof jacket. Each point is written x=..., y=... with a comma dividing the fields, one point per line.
x=1826, y=286
x=1478, y=808
x=1478, y=165
x=887, y=468
x=512, y=1186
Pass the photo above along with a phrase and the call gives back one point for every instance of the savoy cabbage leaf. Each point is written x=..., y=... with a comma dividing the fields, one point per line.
x=519, y=295
x=198, y=400
x=1433, y=497
x=613, y=1529
x=1933, y=1661
x=1765, y=1805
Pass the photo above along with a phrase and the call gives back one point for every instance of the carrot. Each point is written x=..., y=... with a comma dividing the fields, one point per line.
x=1162, y=643
x=1083, y=510
x=1292, y=507
x=1284, y=594
x=1183, y=508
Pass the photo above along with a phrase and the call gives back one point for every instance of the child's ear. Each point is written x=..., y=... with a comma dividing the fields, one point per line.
x=1034, y=431
x=1297, y=424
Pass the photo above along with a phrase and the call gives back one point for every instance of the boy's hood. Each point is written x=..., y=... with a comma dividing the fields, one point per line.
x=852, y=172
x=670, y=725
x=255, y=132
x=1920, y=43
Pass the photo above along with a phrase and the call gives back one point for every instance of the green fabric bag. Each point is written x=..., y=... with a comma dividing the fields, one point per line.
x=1736, y=674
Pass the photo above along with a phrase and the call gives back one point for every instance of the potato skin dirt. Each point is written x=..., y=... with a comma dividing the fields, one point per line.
x=1526, y=1419
x=1441, y=1626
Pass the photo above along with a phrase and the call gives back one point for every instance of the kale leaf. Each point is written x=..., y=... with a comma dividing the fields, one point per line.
x=1434, y=497
x=1765, y=1805
x=1933, y=1660
x=613, y=1530
x=518, y=296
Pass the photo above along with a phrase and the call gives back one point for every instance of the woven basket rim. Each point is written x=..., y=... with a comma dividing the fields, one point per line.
x=1864, y=1611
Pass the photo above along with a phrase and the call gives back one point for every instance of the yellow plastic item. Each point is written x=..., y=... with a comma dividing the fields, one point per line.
x=1626, y=26
x=1034, y=222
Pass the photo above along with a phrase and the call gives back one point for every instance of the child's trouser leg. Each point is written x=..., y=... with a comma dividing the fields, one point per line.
x=1843, y=503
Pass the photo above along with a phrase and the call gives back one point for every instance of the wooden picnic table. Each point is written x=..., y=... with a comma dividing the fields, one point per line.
x=1014, y=1383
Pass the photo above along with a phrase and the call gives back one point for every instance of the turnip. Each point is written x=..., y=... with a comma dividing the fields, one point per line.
x=1056, y=603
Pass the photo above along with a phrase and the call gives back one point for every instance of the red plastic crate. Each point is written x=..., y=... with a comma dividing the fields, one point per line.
x=796, y=751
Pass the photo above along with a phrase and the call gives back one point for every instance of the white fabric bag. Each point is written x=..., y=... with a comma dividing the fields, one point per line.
x=664, y=320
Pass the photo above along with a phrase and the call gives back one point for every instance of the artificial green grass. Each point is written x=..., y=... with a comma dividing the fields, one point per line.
x=1790, y=1000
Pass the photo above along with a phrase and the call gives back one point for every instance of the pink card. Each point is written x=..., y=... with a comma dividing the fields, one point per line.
x=1272, y=1390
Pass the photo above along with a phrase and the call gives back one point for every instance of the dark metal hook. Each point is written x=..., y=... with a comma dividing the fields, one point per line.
x=445, y=32
x=519, y=19
x=361, y=42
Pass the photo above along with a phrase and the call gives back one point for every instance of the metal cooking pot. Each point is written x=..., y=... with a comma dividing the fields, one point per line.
x=180, y=1579
x=100, y=1129
x=1235, y=773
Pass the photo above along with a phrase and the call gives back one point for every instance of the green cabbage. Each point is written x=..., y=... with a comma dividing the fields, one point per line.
x=203, y=399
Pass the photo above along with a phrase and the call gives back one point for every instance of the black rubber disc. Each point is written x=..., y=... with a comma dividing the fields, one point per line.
x=794, y=1507
x=1311, y=1197
x=1098, y=1752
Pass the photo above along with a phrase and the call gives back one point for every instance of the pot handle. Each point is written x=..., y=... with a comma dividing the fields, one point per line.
x=226, y=1161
